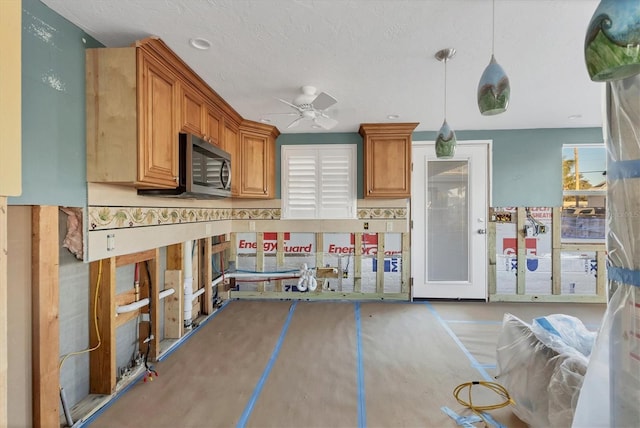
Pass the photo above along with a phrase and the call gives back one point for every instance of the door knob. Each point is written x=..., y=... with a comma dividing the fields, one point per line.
x=482, y=231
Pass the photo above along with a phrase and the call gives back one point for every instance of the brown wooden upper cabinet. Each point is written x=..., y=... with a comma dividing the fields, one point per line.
x=256, y=173
x=140, y=97
x=200, y=117
x=387, y=159
x=132, y=118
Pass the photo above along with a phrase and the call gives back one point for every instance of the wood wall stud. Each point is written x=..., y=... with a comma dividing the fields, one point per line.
x=45, y=307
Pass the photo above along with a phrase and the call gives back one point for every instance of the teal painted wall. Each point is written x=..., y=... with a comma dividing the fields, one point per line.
x=527, y=163
x=53, y=109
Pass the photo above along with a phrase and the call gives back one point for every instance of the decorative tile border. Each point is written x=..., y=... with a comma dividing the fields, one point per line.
x=101, y=217
x=255, y=213
x=382, y=213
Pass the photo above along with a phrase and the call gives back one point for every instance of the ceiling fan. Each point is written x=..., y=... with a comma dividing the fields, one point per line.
x=311, y=106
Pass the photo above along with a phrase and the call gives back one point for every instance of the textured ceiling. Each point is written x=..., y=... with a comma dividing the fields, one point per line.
x=376, y=57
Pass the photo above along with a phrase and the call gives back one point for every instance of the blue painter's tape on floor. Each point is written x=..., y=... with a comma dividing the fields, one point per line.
x=179, y=343
x=472, y=359
x=362, y=411
x=246, y=414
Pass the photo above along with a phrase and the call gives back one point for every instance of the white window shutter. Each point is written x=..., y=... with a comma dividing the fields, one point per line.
x=302, y=187
x=336, y=177
x=319, y=181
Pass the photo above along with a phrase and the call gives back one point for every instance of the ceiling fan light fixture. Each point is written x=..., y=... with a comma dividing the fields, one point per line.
x=494, y=89
x=310, y=106
x=446, y=140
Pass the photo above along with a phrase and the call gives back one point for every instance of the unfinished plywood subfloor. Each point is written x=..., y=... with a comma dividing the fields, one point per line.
x=320, y=364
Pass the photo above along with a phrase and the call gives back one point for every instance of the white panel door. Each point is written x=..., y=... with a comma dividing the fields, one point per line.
x=449, y=205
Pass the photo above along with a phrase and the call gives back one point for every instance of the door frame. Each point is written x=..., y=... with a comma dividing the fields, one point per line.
x=489, y=172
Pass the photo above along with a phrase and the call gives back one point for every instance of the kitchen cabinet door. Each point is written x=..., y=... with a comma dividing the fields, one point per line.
x=158, y=145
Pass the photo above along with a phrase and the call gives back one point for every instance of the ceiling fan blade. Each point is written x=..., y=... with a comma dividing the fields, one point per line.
x=325, y=121
x=289, y=104
x=323, y=101
x=282, y=114
x=294, y=123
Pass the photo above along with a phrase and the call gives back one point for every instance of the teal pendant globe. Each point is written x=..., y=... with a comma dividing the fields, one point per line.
x=494, y=90
x=445, y=142
x=612, y=43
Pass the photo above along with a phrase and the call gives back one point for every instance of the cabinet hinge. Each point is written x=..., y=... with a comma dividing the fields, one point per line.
x=410, y=224
x=411, y=166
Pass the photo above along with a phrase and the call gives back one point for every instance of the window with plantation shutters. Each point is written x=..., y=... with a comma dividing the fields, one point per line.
x=319, y=181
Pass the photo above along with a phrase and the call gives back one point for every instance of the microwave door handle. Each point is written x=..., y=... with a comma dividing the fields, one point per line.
x=227, y=183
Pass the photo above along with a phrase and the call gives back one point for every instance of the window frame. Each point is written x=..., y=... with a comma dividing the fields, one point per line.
x=578, y=193
x=319, y=151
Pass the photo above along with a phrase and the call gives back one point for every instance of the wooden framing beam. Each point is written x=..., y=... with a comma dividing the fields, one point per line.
x=357, y=265
x=4, y=250
x=173, y=325
x=522, y=251
x=279, y=258
x=380, y=270
x=128, y=259
x=556, y=251
x=260, y=257
x=492, y=257
x=319, y=260
x=150, y=287
x=102, y=361
x=547, y=298
x=406, y=263
x=45, y=307
x=601, y=274
x=219, y=247
x=207, y=275
x=334, y=295
x=175, y=254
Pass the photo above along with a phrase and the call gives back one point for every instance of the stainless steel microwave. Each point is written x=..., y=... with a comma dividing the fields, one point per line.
x=204, y=171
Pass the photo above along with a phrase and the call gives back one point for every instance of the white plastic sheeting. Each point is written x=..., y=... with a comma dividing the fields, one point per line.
x=542, y=365
x=611, y=389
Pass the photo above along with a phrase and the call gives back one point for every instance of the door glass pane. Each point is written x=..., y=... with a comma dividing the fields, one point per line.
x=447, y=221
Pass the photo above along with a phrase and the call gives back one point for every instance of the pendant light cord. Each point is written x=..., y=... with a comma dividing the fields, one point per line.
x=445, y=89
x=493, y=28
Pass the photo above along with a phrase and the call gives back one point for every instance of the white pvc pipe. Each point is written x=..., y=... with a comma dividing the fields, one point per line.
x=198, y=292
x=188, y=281
x=132, y=306
x=166, y=293
x=258, y=275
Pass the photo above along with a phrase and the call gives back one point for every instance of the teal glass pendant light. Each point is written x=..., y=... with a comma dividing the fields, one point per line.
x=494, y=89
x=612, y=43
x=446, y=139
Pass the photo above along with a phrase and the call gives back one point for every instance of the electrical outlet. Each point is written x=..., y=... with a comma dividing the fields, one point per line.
x=252, y=226
x=389, y=226
x=366, y=225
x=111, y=242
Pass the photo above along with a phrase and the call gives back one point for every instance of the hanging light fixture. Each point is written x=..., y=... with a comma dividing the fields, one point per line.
x=446, y=139
x=612, y=43
x=494, y=89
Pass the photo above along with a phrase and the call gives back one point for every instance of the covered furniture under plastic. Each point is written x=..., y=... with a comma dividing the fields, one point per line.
x=542, y=365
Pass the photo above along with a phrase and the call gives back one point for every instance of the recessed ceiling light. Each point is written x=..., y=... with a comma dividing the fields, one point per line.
x=393, y=116
x=265, y=120
x=316, y=126
x=200, y=43
x=575, y=116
